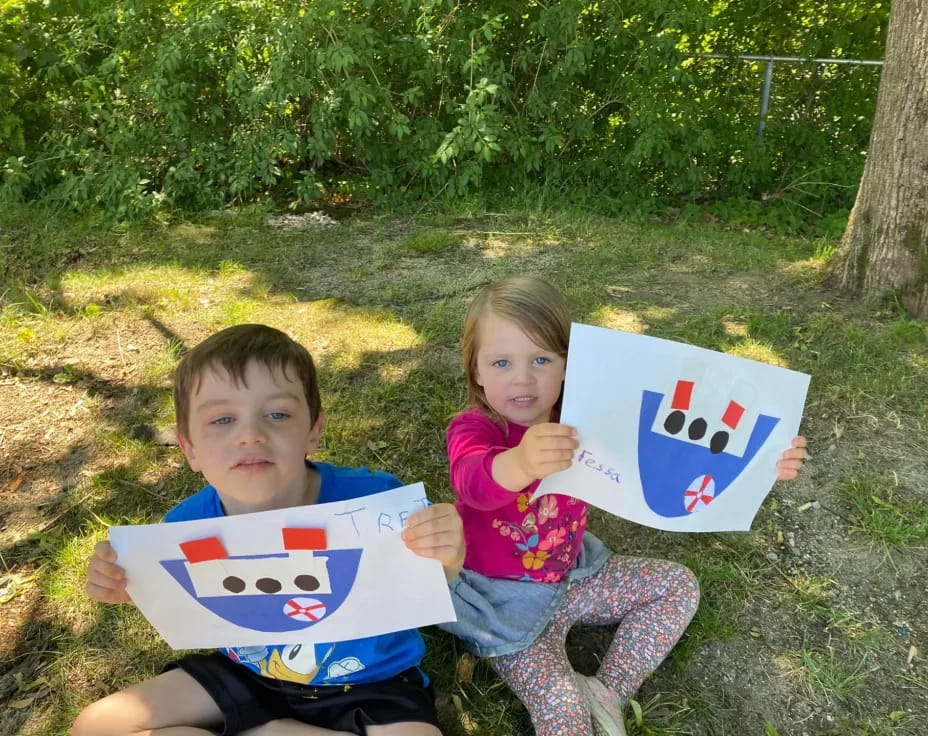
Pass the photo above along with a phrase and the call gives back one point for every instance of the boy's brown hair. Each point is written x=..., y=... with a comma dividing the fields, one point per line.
x=534, y=305
x=232, y=349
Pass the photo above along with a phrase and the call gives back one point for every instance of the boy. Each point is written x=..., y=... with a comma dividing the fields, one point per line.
x=248, y=417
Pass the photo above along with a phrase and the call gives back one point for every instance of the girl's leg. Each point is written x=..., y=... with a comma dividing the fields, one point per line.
x=652, y=600
x=542, y=678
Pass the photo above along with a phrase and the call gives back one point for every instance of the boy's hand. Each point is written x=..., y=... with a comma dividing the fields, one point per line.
x=437, y=532
x=106, y=581
x=545, y=449
x=790, y=462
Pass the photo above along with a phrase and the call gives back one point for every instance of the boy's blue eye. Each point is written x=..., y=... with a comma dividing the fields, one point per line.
x=278, y=415
x=222, y=420
x=500, y=363
x=541, y=360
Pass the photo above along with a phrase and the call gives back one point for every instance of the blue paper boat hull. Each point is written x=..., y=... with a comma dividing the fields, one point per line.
x=668, y=466
x=277, y=612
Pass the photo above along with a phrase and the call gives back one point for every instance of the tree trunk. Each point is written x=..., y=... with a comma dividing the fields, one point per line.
x=885, y=247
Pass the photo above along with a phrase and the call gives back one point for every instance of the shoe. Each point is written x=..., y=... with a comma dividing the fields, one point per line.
x=604, y=708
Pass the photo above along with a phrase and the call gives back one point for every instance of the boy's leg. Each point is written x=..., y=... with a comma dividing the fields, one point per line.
x=172, y=700
x=408, y=728
x=542, y=678
x=287, y=727
x=652, y=600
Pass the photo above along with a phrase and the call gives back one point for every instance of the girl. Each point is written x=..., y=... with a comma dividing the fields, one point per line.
x=531, y=570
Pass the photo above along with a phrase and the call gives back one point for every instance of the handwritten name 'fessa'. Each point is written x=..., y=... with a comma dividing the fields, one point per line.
x=586, y=458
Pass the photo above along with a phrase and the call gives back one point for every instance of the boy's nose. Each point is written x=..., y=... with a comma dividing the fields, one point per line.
x=251, y=433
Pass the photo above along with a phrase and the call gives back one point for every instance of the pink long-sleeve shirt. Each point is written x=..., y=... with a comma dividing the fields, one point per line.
x=507, y=535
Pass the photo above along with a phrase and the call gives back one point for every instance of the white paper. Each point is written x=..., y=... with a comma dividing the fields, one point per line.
x=620, y=391
x=392, y=588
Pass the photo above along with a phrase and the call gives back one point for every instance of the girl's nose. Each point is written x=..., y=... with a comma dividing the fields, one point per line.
x=523, y=375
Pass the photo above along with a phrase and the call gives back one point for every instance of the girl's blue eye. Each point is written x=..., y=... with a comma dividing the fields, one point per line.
x=501, y=364
x=278, y=415
x=222, y=420
x=541, y=360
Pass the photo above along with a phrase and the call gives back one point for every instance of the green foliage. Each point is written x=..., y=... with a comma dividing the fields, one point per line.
x=131, y=107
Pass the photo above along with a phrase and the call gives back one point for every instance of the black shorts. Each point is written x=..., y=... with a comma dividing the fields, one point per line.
x=246, y=699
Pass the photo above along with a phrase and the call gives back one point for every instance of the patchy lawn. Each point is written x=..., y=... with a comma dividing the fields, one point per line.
x=813, y=623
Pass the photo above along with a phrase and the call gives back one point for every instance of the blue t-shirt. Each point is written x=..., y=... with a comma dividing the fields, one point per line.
x=355, y=661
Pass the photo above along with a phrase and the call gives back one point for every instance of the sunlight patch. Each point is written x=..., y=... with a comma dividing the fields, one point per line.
x=618, y=319
x=735, y=329
x=758, y=351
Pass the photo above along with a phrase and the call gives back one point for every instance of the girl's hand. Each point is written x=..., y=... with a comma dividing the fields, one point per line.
x=545, y=449
x=106, y=581
x=791, y=461
x=437, y=532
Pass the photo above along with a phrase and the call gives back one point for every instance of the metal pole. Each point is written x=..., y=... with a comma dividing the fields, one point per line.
x=797, y=59
x=768, y=75
x=765, y=100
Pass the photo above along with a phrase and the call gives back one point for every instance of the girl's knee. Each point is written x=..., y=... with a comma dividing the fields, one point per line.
x=684, y=585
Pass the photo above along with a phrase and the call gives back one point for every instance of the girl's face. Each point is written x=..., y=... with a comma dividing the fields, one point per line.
x=521, y=381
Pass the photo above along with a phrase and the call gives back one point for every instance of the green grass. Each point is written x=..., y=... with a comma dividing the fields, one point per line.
x=425, y=242
x=825, y=672
x=881, y=513
x=93, y=322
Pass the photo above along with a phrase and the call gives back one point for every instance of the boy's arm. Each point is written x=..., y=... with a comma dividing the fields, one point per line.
x=437, y=532
x=106, y=581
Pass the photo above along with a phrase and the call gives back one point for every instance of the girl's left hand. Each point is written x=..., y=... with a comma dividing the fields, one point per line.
x=436, y=531
x=791, y=461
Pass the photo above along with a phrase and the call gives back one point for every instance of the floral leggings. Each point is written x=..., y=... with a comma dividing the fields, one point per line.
x=651, y=600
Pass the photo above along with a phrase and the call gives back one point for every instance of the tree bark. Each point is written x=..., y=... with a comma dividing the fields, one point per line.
x=885, y=247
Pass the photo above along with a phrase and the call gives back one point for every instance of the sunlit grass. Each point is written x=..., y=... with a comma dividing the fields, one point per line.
x=379, y=303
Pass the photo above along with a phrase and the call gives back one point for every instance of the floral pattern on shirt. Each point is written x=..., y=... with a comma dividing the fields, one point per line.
x=548, y=537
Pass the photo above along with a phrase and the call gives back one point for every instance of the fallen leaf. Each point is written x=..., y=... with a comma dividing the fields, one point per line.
x=465, y=669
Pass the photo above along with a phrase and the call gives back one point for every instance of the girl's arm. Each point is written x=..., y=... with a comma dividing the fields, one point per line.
x=791, y=461
x=486, y=472
x=545, y=449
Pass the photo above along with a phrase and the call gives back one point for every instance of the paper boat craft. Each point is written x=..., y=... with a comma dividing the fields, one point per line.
x=279, y=591
x=683, y=474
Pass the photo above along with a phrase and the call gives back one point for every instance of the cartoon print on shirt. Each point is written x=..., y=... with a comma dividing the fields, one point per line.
x=344, y=667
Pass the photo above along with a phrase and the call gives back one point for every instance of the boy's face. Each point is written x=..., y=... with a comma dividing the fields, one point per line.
x=250, y=443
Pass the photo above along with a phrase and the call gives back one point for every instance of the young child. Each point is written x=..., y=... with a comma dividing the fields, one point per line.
x=248, y=418
x=531, y=572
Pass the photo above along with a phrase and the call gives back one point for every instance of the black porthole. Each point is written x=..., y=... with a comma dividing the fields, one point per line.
x=268, y=585
x=306, y=582
x=233, y=584
x=697, y=429
x=675, y=421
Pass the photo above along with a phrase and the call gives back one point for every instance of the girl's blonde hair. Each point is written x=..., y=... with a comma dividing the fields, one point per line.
x=534, y=305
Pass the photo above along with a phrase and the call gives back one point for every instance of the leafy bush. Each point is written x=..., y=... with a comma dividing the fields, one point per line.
x=129, y=106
